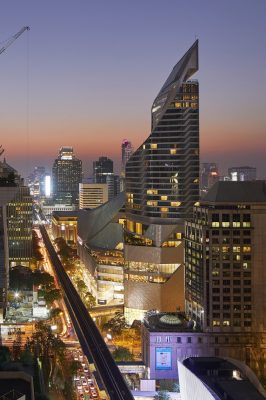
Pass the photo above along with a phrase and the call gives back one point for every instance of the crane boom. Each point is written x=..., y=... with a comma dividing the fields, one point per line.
x=13, y=38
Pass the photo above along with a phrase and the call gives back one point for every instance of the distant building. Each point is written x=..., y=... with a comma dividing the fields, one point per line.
x=103, y=172
x=101, y=169
x=213, y=378
x=209, y=174
x=126, y=152
x=36, y=182
x=67, y=174
x=8, y=175
x=242, y=173
x=64, y=224
x=92, y=195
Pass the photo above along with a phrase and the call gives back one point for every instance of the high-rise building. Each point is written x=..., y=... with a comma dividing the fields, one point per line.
x=101, y=169
x=127, y=151
x=36, y=182
x=67, y=174
x=162, y=185
x=225, y=274
x=15, y=228
x=242, y=173
x=92, y=195
x=103, y=172
x=209, y=174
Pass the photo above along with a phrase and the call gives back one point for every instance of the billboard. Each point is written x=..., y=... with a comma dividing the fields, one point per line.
x=163, y=358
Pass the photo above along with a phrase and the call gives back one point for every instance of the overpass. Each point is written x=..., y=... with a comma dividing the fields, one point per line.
x=90, y=338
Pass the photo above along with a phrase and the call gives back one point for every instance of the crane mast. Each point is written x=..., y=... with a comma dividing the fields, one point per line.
x=13, y=38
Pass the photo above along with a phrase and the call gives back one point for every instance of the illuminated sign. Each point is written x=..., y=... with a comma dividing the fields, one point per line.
x=163, y=358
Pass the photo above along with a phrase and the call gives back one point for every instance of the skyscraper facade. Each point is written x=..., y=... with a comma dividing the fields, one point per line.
x=126, y=152
x=102, y=168
x=209, y=174
x=225, y=276
x=225, y=256
x=67, y=174
x=162, y=185
x=92, y=195
x=103, y=172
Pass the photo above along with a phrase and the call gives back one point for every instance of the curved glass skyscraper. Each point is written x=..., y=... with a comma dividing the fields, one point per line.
x=162, y=184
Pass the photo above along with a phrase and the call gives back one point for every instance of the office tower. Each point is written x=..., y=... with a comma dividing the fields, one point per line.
x=225, y=258
x=242, y=173
x=162, y=185
x=101, y=169
x=67, y=174
x=92, y=195
x=209, y=174
x=113, y=183
x=103, y=172
x=127, y=151
x=36, y=182
x=225, y=270
x=15, y=233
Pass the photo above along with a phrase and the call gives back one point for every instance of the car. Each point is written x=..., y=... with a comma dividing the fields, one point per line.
x=94, y=394
x=84, y=383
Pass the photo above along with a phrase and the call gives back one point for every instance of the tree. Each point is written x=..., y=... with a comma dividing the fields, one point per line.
x=51, y=295
x=5, y=355
x=43, y=279
x=122, y=354
x=26, y=357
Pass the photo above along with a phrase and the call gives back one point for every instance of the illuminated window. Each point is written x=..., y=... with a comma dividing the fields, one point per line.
x=175, y=203
x=236, y=249
x=246, y=249
x=144, y=147
x=152, y=191
x=178, y=235
x=226, y=323
x=138, y=228
x=172, y=151
x=225, y=224
x=215, y=224
x=215, y=323
x=153, y=146
x=164, y=198
x=164, y=209
x=178, y=105
x=152, y=203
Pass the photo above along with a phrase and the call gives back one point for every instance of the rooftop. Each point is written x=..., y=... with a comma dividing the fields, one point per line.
x=168, y=322
x=223, y=377
x=240, y=192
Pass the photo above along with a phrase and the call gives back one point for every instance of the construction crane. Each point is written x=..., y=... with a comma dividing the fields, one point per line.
x=13, y=38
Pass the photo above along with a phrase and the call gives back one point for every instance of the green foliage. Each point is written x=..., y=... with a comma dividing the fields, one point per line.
x=26, y=357
x=42, y=279
x=116, y=324
x=122, y=354
x=50, y=295
x=5, y=355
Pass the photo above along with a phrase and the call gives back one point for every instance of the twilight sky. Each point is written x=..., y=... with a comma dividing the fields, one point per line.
x=87, y=72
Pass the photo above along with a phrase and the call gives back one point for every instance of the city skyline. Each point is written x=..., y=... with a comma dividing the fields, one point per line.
x=84, y=59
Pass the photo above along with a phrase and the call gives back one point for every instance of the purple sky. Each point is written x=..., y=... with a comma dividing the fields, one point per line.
x=88, y=71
